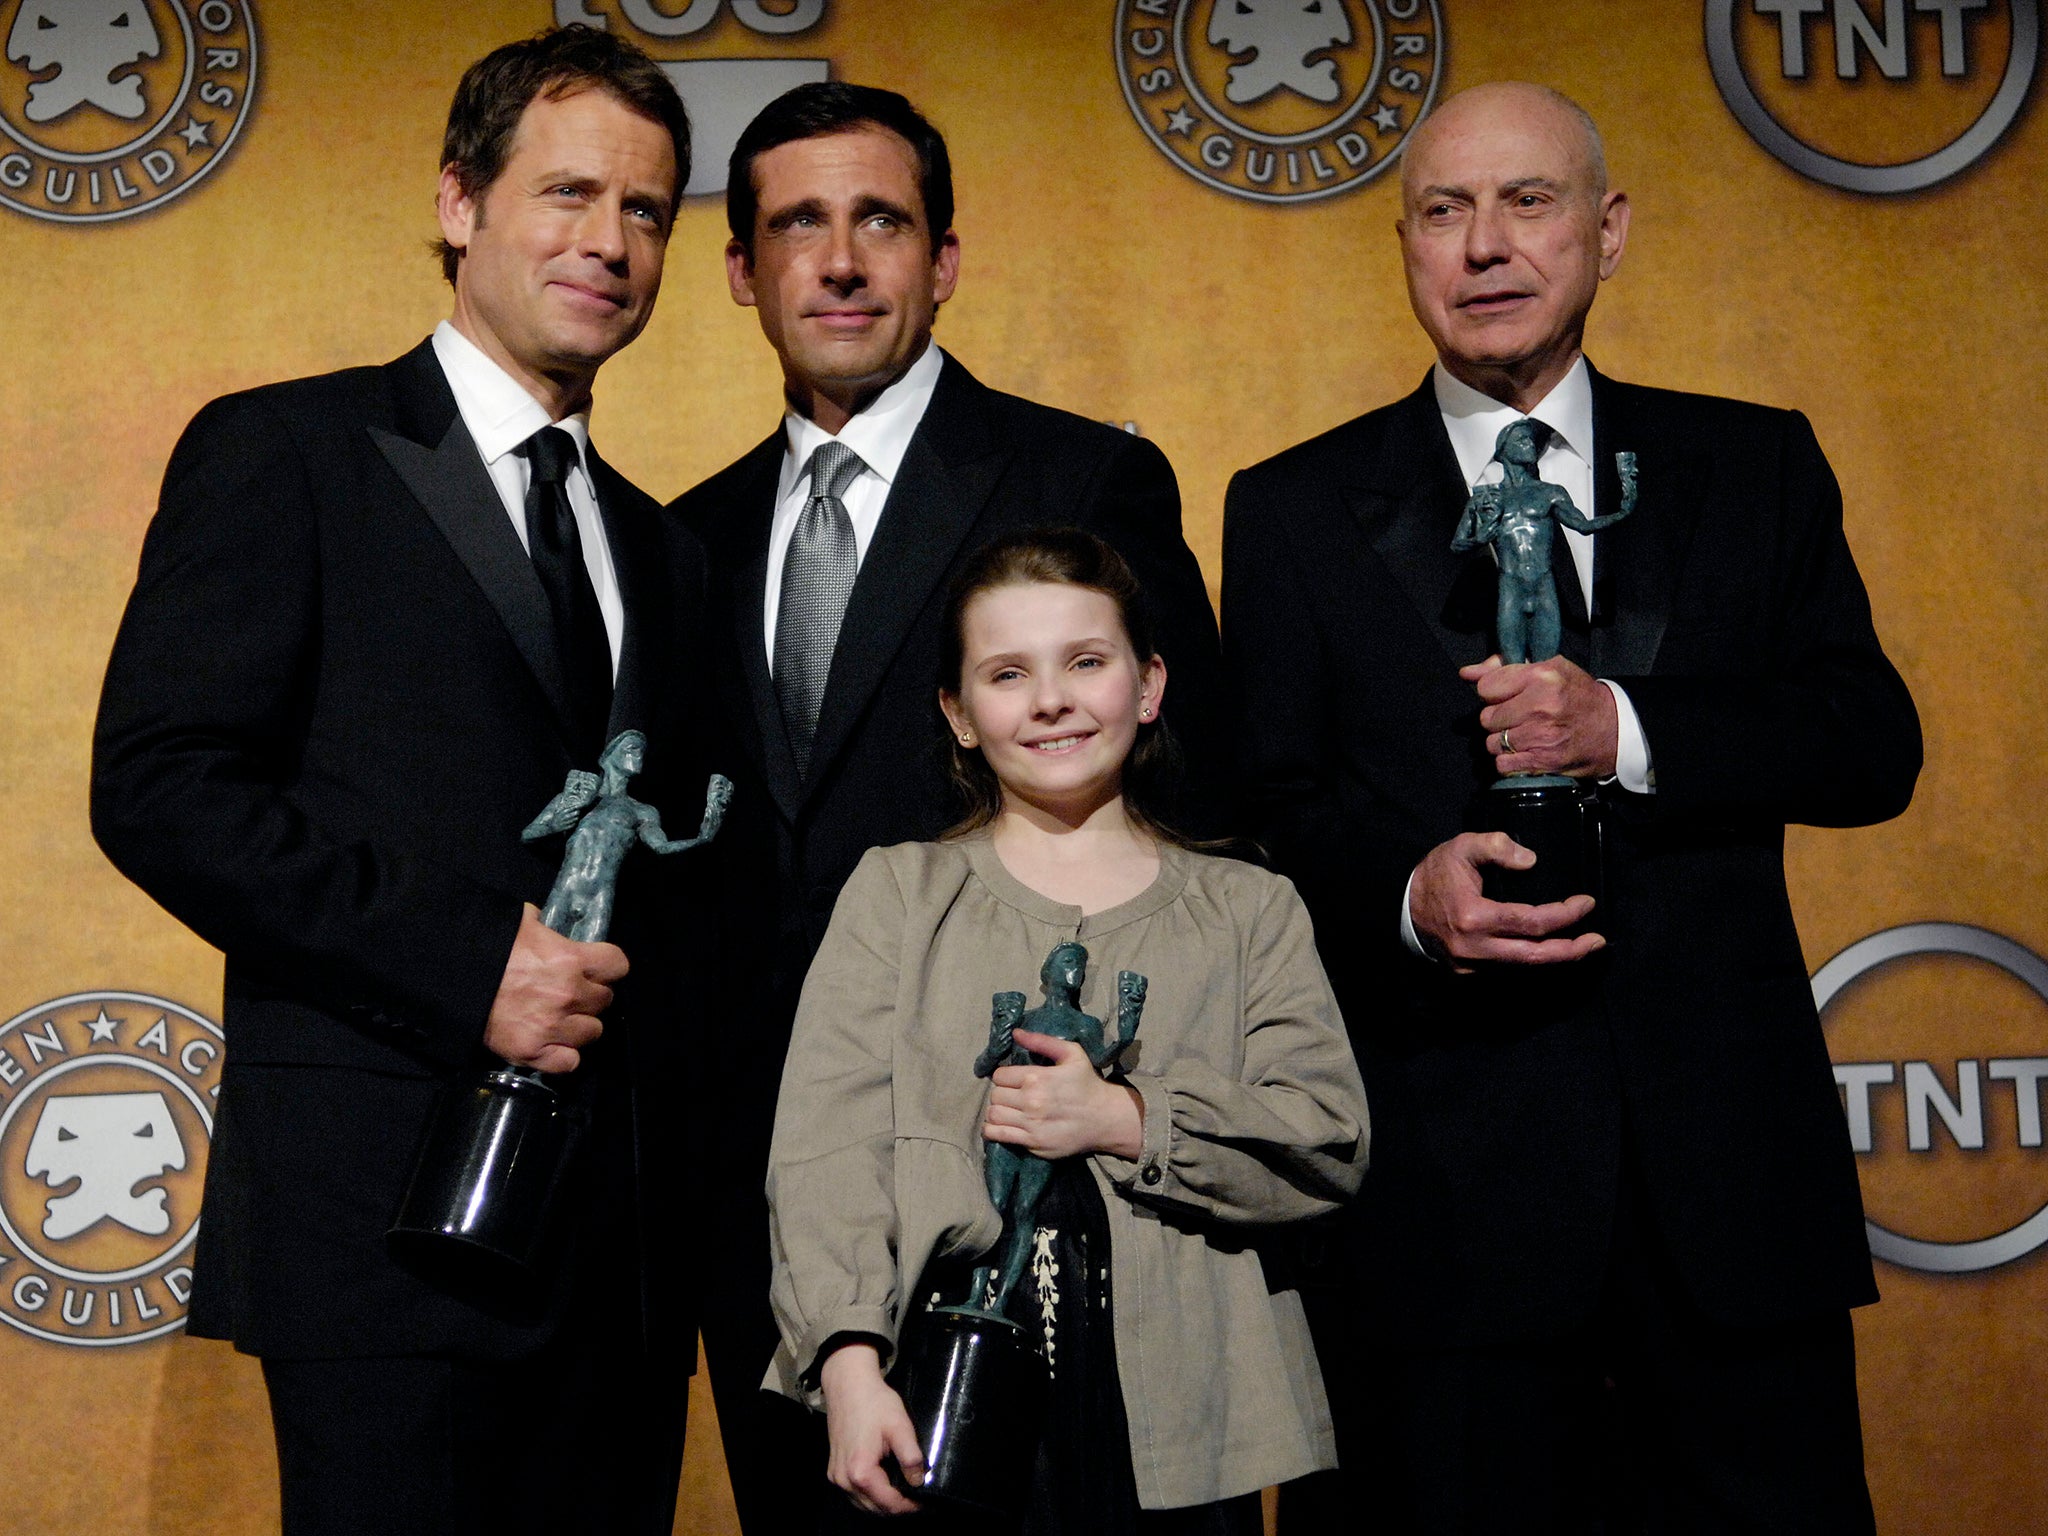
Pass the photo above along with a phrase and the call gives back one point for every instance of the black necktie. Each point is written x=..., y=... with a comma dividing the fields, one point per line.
x=1573, y=640
x=817, y=580
x=557, y=550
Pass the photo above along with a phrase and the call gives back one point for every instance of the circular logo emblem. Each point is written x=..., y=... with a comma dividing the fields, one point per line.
x=1874, y=98
x=108, y=107
x=106, y=1113
x=1924, y=1099
x=1280, y=101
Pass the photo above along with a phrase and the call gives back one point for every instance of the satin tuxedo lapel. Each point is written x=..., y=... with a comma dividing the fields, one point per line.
x=1639, y=559
x=941, y=487
x=1408, y=498
x=433, y=453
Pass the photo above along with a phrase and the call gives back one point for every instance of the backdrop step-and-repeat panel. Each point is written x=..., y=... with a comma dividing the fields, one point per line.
x=1176, y=215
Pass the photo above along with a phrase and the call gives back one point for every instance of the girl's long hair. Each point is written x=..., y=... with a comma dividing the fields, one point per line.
x=1069, y=557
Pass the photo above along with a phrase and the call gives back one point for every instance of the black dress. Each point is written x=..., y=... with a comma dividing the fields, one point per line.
x=1083, y=1485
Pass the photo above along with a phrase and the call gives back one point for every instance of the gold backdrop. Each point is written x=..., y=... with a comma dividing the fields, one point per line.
x=1098, y=276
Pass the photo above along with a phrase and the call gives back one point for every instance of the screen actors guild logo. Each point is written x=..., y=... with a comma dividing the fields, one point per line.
x=106, y=1114
x=1874, y=96
x=1280, y=101
x=108, y=107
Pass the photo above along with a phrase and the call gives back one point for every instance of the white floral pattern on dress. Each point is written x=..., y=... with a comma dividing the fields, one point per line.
x=1045, y=1271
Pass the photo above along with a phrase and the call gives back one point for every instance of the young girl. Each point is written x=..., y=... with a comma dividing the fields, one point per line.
x=1180, y=1382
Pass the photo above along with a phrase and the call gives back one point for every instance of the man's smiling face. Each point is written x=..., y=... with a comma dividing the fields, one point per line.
x=562, y=253
x=1506, y=234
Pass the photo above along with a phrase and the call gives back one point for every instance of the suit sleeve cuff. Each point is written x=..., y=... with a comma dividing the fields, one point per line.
x=1632, y=767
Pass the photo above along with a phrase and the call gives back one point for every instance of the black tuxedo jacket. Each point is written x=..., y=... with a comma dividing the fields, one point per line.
x=980, y=464
x=1507, y=1107
x=333, y=704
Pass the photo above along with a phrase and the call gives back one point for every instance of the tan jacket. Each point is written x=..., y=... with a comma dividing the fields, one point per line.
x=1254, y=1114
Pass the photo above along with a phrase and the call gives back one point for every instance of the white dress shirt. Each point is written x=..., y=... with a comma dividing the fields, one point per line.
x=881, y=436
x=1474, y=422
x=500, y=415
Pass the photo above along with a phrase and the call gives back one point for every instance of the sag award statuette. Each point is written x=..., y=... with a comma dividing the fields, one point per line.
x=973, y=1379
x=1555, y=818
x=483, y=1192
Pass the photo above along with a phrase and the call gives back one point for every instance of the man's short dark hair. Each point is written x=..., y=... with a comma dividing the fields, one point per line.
x=562, y=61
x=833, y=106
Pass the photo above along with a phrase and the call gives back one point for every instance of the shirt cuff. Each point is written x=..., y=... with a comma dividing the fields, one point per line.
x=1633, y=770
x=1409, y=936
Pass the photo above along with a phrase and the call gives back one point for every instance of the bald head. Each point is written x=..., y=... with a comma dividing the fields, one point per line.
x=1533, y=107
x=1508, y=228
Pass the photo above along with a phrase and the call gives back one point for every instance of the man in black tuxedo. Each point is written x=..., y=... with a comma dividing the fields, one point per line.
x=380, y=614
x=830, y=546
x=1613, y=1219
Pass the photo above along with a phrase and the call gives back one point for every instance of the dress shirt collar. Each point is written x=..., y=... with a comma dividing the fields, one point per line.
x=498, y=412
x=1474, y=420
x=880, y=434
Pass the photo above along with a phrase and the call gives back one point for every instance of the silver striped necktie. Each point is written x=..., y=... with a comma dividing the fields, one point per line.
x=817, y=580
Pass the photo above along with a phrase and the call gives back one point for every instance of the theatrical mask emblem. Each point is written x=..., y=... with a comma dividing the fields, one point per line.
x=108, y=1144
x=1281, y=35
x=108, y=107
x=88, y=42
x=1280, y=101
x=106, y=1117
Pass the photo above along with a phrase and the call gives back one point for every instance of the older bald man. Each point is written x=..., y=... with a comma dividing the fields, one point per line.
x=1601, y=1272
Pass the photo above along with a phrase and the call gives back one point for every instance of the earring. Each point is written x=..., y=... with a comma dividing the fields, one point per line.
x=966, y=740
x=1145, y=713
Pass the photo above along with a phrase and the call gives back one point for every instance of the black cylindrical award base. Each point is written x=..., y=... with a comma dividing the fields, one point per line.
x=1558, y=820
x=483, y=1193
x=975, y=1390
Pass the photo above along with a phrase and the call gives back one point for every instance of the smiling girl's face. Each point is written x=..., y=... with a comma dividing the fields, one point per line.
x=1052, y=694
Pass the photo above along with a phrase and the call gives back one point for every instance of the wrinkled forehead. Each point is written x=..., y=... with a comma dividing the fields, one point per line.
x=862, y=158
x=1488, y=138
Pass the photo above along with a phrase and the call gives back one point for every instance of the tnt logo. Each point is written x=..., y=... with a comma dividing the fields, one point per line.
x=1874, y=95
x=723, y=86
x=1280, y=101
x=108, y=107
x=1949, y=1148
x=106, y=1113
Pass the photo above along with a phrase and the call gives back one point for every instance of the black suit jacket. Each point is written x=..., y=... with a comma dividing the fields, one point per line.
x=1506, y=1106
x=980, y=464
x=333, y=704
